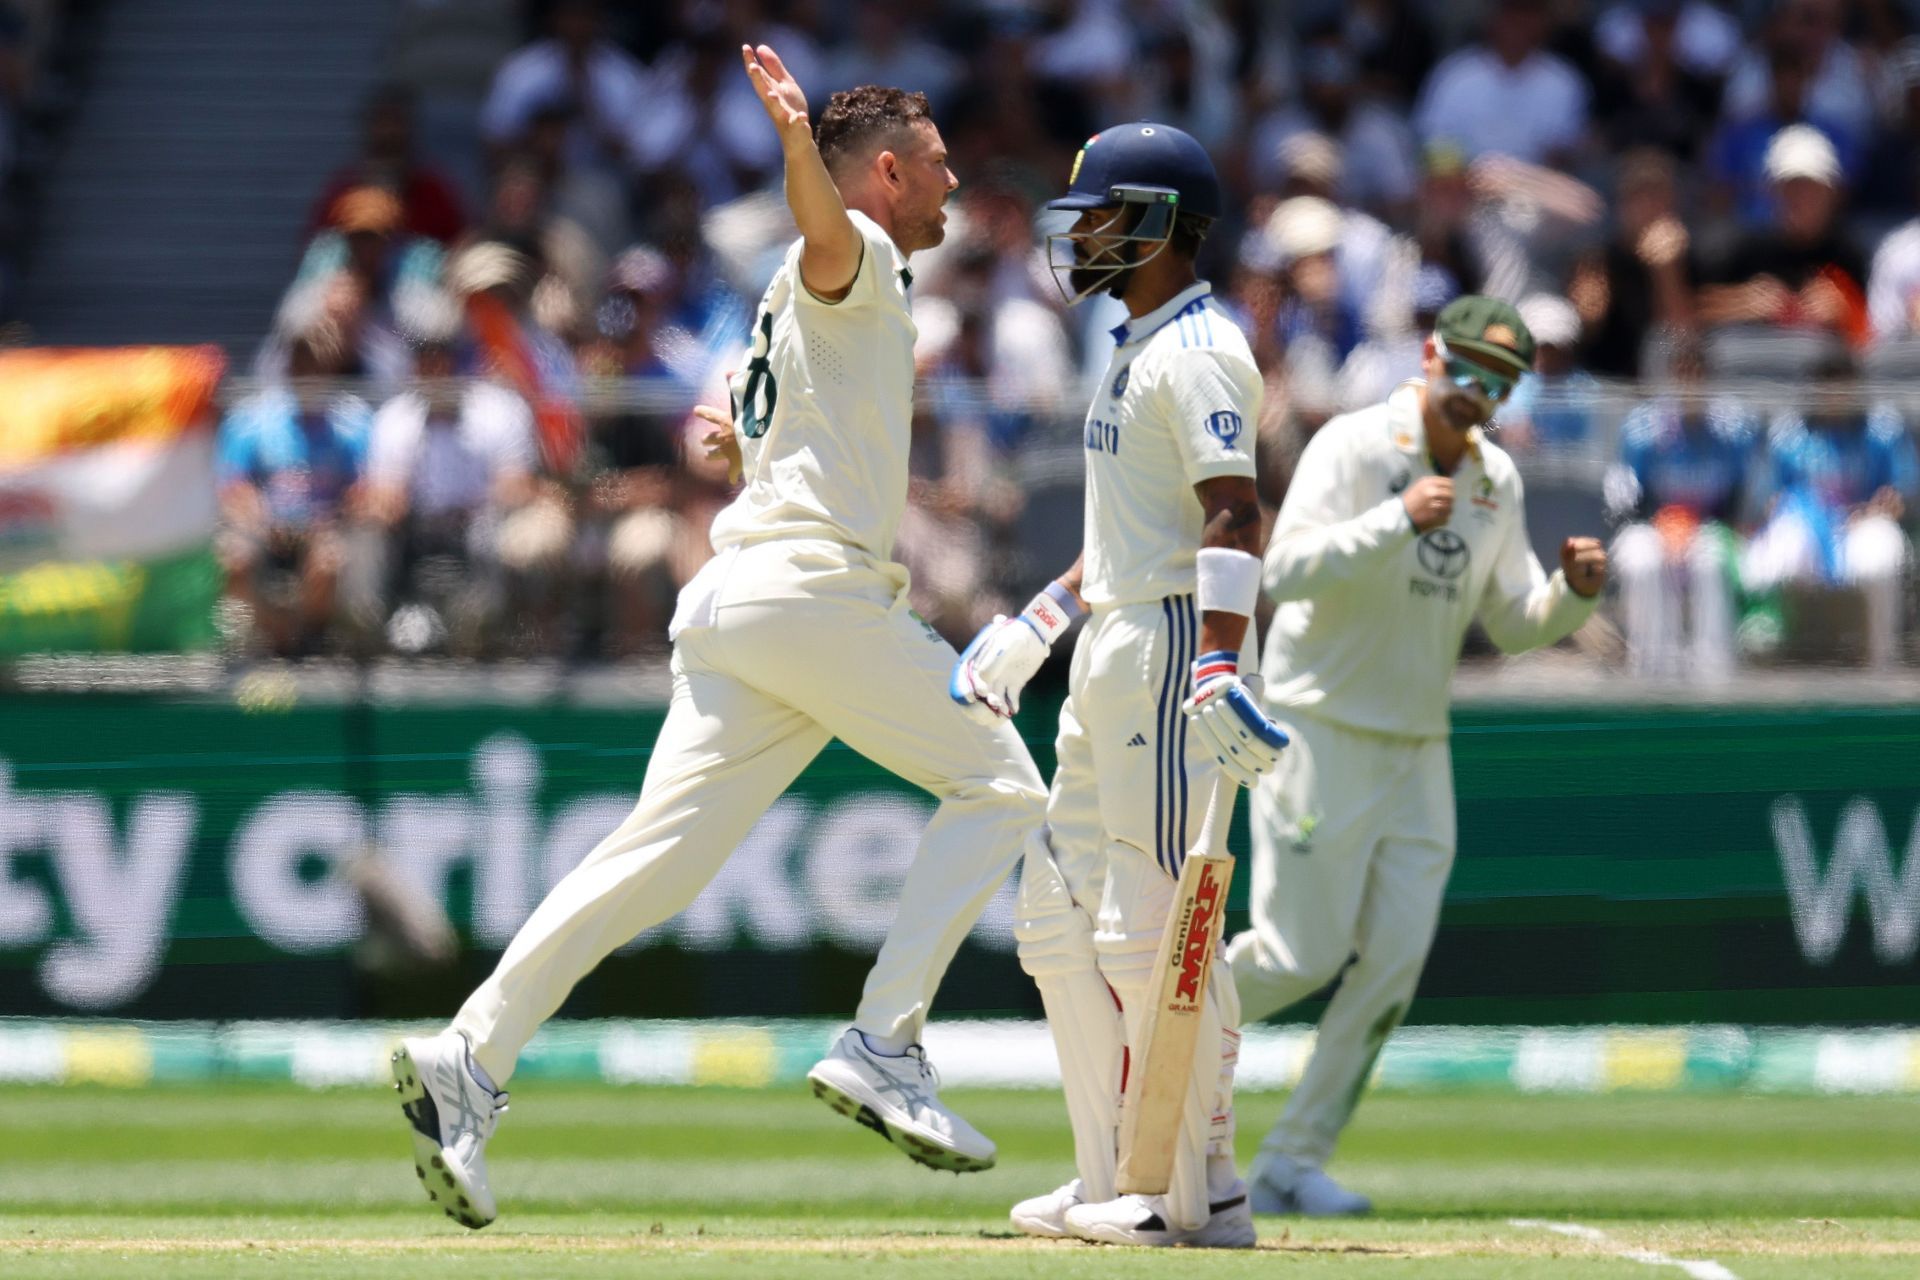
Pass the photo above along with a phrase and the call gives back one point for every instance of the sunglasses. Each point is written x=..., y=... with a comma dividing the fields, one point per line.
x=1467, y=376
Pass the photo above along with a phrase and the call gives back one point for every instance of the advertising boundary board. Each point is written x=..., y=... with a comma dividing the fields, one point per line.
x=188, y=858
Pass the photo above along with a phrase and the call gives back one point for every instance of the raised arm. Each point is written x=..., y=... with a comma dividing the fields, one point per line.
x=831, y=245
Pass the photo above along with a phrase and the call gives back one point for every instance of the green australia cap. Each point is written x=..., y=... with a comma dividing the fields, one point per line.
x=1488, y=330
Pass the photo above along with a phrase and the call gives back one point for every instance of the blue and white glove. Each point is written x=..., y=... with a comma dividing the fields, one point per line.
x=1225, y=713
x=999, y=661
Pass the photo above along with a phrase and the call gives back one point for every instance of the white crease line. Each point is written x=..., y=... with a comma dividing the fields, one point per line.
x=1694, y=1270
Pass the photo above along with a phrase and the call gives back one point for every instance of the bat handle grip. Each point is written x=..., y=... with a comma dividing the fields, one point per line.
x=1219, y=817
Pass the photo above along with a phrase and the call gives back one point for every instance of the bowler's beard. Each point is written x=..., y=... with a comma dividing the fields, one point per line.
x=921, y=232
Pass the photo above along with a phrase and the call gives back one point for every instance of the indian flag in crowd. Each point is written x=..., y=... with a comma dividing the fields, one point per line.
x=107, y=499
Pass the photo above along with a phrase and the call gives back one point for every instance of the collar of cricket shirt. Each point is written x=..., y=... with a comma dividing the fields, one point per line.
x=1147, y=325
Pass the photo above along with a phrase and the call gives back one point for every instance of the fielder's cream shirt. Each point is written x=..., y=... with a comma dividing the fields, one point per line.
x=1372, y=614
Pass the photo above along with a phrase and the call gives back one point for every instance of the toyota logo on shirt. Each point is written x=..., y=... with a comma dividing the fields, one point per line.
x=1443, y=553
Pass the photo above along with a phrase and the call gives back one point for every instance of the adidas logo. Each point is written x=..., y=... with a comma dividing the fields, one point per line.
x=1137, y=740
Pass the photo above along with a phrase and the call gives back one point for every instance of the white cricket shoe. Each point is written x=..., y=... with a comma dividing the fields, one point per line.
x=1046, y=1215
x=898, y=1098
x=1141, y=1220
x=452, y=1118
x=1284, y=1185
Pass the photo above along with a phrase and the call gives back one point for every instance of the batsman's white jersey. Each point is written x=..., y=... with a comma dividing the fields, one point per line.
x=1353, y=832
x=797, y=632
x=1174, y=408
x=1177, y=406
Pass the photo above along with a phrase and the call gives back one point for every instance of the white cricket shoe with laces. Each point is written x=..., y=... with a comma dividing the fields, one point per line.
x=1142, y=1220
x=1046, y=1215
x=1282, y=1184
x=452, y=1116
x=899, y=1099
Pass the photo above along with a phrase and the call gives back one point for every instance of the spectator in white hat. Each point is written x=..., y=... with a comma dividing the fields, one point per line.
x=1737, y=157
x=1802, y=271
x=1363, y=243
x=1553, y=405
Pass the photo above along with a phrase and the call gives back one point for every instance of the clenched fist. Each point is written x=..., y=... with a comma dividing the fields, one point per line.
x=1429, y=502
x=1584, y=561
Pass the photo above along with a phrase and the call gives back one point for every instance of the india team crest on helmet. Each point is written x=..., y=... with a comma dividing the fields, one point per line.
x=1078, y=156
x=1224, y=426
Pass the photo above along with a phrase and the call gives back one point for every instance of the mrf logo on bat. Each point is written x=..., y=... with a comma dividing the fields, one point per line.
x=1196, y=937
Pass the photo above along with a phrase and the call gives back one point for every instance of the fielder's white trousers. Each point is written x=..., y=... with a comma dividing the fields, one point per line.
x=793, y=644
x=1353, y=838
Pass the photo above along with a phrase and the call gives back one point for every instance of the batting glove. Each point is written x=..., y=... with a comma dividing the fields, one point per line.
x=1225, y=713
x=996, y=665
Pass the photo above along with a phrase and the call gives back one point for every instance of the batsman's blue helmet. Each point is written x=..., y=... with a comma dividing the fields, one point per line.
x=1120, y=165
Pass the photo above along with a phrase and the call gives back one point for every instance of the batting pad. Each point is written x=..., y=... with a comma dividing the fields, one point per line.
x=1055, y=940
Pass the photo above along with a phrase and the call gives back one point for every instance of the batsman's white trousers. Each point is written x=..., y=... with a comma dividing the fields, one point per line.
x=1129, y=798
x=797, y=643
x=1353, y=839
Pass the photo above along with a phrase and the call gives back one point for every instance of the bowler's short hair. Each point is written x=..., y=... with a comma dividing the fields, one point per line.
x=860, y=123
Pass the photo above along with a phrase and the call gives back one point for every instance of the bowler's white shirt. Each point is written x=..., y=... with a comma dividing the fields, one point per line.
x=831, y=463
x=1178, y=404
x=1371, y=614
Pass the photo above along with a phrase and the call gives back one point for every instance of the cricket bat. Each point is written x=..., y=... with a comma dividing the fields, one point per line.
x=1158, y=1081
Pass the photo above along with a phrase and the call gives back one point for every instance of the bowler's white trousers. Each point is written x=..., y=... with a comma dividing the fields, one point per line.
x=791, y=644
x=1353, y=839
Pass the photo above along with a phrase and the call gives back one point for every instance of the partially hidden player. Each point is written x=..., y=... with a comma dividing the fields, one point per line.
x=1168, y=576
x=1402, y=524
x=797, y=632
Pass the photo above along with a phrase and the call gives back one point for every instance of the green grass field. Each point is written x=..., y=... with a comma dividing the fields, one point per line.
x=594, y=1182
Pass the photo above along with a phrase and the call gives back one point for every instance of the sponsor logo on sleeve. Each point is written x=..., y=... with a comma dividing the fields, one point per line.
x=1224, y=426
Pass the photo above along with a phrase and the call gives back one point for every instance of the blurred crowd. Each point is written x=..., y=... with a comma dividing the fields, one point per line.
x=41, y=41
x=1679, y=194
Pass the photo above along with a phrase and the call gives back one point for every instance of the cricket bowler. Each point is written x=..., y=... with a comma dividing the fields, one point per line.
x=798, y=631
x=1403, y=523
x=1168, y=577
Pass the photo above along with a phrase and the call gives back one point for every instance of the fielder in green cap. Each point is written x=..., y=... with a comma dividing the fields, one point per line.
x=1403, y=524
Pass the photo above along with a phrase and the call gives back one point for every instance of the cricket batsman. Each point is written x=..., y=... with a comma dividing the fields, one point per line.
x=1403, y=523
x=1168, y=578
x=798, y=631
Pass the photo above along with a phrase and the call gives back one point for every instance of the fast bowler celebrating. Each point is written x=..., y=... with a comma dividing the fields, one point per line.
x=1402, y=524
x=1169, y=576
x=796, y=632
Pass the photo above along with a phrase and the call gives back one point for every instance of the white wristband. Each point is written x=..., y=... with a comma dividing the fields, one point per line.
x=1229, y=580
x=1051, y=612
